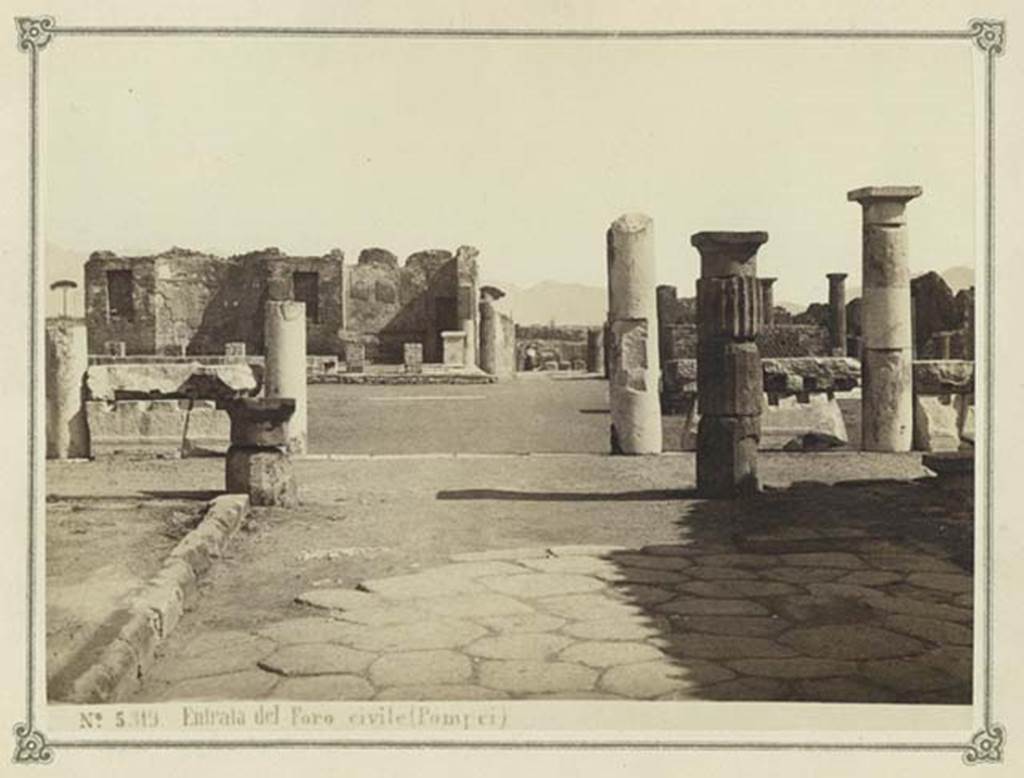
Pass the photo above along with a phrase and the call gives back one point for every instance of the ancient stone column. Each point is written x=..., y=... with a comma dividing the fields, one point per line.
x=837, y=312
x=888, y=403
x=257, y=463
x=595, y=350
x=634, y=367
x=489, y=330
x=285, y=375
x=768, y=300
x=67, y=359
x=729, y=379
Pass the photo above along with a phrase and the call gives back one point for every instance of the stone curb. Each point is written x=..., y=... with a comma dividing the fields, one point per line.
x=156, y=610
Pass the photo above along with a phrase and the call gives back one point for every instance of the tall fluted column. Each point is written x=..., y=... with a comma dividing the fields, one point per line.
x=67, y=359
x=837, y=312
x=285, y=374
x=887, y=382
x=729, y=380
x=768, y=300
x=634, y=367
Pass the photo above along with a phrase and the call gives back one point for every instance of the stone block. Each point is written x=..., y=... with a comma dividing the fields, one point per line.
x=790, y=417
x=234, y=349
x=122, y=381
x=156, y=427
x=965, y=416
x=729, y=307
x=412, y=357
x=355, y=357
x=789, y=375
x=727, y=455
x=729, y=379
x=579, y=364
x=259, y=421
x=453, y=348
x=943, y=376
x=936, y=425
x=116, y=348
x=265, y=474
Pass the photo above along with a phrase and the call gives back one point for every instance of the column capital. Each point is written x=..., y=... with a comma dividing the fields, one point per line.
x=728, y=253
x=835, y=278
x=767, y=282
x=870, y=194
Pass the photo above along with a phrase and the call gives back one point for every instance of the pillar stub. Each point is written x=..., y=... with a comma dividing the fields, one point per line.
x=727, y=253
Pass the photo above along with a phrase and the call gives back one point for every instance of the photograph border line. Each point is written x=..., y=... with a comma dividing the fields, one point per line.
x=988, y=35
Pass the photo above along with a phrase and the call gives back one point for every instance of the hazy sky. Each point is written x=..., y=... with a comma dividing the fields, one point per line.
x=526, y=149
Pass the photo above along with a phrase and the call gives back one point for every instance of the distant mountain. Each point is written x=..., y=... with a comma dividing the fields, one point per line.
x=562, y=303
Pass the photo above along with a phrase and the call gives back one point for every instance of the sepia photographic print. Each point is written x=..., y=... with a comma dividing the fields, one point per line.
x=566, y=381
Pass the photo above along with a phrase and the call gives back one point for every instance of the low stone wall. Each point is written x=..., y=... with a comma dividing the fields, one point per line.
x=943, y=404
x=159, y=428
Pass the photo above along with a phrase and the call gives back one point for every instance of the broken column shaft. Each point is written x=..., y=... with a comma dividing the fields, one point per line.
x=257, y=463
x=837, y=313
x=729, y=380
x=768, y=300
x=634, y=367
x=285, y=343
x=67, y=359
x=886, y=362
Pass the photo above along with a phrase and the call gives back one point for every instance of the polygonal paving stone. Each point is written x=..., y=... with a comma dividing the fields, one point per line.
x=944, y=582
x=850, y=591
x=797, y=667
x=309, y=630
x=340, y=599
x=519, y=645
x=849, y=689
x=541, y=584
x=470, y=605
x=737, y=560
x=645, y=575
x=742, y=689
x=825, y=610
x=695, y=606
x=870, y=578
x=722, y=573
x=802, y=575
x=421, y=636
x=440, y=692
x=497, y=555
x=784, y=533
x=527, y=622
x=957, y=661
x=904, y=563
x=578, y=565
x=613, y=629
x=223, y=641
x=477, y=569
x=932, y=630
x=244, y=685
x=721, y=647
x=652, y=562
x=647, y=680
x=642, y=594
x=679, y=549
x=906, y=675
x=583, y=695
x=323, y=687
x=824, y=559
x=420, y=668
x=522, y=677
x=240, y=657
x=738, y=589
x=585, y=607
x=610, y=653
x=750, y=626
x=316, y=659
x=417, y=585
x=927, y=610
x=585, y=550
x=932, y=596
x=405, y=612
x=850, y=641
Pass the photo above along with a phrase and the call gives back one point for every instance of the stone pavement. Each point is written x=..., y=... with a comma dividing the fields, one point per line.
x=777, y=611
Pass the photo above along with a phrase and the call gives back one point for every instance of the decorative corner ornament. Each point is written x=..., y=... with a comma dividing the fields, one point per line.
x=34, y=32
x=30, y=746
x=986, y=745
x=989, y=34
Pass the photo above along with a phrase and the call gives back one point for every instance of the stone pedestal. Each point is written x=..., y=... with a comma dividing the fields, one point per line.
x=235, y=350
x=258, y=463
x=67, y=359
x=729, y=378
x=285, y=342
x=595, y=350
x=768, y=300
x=116, y=348
x=887, y=409
x=837, y=313
x=634, y=366
x=412, y=357
x=355, y=357
x=453, y=348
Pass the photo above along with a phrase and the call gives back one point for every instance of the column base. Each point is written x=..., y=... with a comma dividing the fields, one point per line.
x=265, y=474
x=727, y=456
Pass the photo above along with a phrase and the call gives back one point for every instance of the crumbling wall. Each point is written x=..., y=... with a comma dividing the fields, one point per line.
x=564, y=344
x=137, y=332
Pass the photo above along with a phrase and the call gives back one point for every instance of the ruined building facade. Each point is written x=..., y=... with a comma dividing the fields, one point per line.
x=187, y=302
